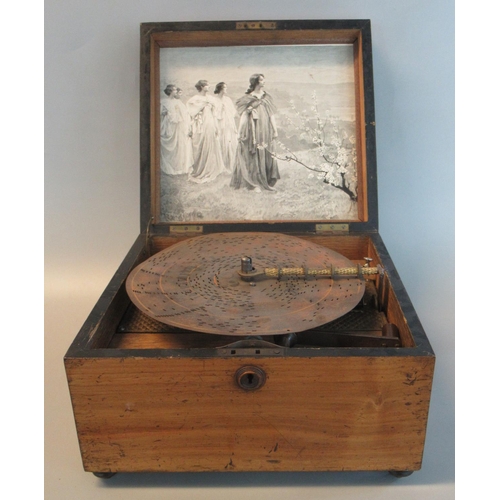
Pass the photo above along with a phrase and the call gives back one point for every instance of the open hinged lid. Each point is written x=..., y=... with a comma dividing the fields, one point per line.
x=256, y=126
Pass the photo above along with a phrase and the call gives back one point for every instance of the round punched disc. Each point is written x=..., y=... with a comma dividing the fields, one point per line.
x=195, y=285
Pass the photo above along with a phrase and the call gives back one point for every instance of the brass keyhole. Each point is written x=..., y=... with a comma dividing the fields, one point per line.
x=250, y=378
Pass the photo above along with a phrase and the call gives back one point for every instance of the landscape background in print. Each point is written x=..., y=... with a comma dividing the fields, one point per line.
x=313, y=89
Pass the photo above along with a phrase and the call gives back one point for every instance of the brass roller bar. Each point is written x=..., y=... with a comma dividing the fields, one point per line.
x=303, y=272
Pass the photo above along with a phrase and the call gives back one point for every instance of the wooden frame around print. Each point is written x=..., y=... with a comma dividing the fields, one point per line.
x=308, y=191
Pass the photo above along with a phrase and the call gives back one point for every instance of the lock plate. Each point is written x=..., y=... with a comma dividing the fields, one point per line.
x=250, y=378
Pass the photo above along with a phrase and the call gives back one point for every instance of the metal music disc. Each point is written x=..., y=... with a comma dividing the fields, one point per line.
x=195, y=285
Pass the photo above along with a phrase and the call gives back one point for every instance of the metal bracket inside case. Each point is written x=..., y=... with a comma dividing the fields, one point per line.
x=251, y=347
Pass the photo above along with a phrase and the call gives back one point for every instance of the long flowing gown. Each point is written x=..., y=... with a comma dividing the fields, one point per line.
x=225, y=113
x=255, y=165
x=186, y=131
x=175, y=156
x=207, y=155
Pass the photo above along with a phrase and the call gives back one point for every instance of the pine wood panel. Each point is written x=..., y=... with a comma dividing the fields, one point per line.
x=354, y=247
x=395, y=315
x=252, y=37
x=188, y=414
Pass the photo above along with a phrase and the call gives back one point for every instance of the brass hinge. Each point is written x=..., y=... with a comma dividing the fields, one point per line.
x=256, y=25
x=190, y=229
x=332, y=228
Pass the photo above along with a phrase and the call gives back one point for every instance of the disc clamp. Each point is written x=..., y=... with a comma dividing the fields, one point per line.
x=249, y=273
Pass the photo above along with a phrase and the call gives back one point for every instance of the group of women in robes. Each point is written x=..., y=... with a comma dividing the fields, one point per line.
x=175, y=131
x=203, y=139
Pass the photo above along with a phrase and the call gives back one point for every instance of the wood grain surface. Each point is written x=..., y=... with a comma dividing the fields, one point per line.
x=188, y=414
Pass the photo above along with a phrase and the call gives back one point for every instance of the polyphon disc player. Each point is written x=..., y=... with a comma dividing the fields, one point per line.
x=258, y=322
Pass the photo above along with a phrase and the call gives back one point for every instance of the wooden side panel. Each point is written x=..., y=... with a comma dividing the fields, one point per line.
x=188, y=414
x=360, y=131
x=395, y=315
x=353, y=247
x=260, y=37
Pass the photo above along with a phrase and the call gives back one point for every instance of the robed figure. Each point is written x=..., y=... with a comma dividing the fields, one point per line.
x=226, y=115
x=175, y=144
x=255, y=166
x=207, y=155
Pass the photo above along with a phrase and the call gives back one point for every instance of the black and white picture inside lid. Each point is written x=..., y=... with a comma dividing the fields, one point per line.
x=258, y=133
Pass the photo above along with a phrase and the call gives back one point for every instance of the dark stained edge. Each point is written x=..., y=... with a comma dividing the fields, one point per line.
x=302, y=24
x=414, y=324
x=85, y=337
x=291, y=228
x=145, y=129
x=371, y=151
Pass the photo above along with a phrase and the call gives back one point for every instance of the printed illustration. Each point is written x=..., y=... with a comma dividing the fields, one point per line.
x=258, y=133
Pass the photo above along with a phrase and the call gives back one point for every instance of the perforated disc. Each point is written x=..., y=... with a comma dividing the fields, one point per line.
x=195, y=285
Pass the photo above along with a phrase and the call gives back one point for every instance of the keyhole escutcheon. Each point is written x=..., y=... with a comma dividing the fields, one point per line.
x=250, y=378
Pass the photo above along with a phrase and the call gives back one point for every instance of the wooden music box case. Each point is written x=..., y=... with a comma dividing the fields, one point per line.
x=258, y=322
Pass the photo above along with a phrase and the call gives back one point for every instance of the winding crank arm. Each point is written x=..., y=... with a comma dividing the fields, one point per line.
x=249, y=273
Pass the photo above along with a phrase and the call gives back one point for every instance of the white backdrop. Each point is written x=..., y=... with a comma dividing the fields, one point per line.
x=92, y=211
